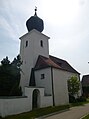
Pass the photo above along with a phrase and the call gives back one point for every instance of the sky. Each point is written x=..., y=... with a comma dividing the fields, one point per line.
x=66, y=22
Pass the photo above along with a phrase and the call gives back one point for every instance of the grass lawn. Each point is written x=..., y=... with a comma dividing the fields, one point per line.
x=38, y=112
x=86, y=117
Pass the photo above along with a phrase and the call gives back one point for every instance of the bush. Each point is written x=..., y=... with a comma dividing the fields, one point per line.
x=72, y=99
x=73, y=85
x=86, y=117
x=81, y=99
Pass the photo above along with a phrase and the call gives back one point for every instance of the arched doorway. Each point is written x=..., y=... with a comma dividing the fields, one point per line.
x=36, y=99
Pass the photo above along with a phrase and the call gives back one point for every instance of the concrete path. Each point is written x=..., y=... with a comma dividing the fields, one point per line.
x=73, y=113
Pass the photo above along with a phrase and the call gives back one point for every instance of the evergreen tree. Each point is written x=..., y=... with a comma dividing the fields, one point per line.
x=10, y=77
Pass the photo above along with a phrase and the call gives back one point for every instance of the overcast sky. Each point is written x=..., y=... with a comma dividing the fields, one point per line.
x=66, y=22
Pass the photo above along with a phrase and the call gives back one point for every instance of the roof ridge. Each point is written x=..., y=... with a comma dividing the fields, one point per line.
x=57, y=58
x=55, y=62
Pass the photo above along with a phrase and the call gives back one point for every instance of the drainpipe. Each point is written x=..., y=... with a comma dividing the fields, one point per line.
x=52, y=87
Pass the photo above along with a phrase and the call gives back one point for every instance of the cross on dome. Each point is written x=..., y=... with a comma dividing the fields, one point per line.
x=35, y=11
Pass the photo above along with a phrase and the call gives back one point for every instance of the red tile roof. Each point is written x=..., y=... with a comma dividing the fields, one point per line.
x=63, y=64
x=44, y=62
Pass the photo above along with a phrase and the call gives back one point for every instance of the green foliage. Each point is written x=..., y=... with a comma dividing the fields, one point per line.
x=86, y=117
x=80, y=103
x=73, y=85
x=17, y=62
x=10, y=77
x=81, y=99
x=5, y=61
x=72, y=99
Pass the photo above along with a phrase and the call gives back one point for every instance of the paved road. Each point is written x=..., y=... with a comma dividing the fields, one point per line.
x=73, y=113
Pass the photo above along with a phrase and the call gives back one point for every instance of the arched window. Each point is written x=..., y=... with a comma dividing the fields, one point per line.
x=41, y=43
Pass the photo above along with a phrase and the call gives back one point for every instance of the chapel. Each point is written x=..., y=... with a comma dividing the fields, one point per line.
x=46, y=76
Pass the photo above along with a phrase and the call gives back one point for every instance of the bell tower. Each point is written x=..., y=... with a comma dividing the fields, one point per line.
x=33, y=44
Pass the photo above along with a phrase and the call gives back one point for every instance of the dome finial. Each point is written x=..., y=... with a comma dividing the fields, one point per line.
x=35, y=11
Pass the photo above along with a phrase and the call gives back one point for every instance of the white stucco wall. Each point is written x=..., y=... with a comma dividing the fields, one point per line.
x=60, y=78
x=14, y=106
x=17, y=105
x=46, y=82
x=30, y=53
x=46, y=101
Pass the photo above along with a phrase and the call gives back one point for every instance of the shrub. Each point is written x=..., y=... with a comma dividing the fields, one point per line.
x=81, y=99
x=73, y=85
x=72, y=99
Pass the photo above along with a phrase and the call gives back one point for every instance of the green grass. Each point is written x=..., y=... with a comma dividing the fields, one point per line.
x=38, y=112
x=86, y=117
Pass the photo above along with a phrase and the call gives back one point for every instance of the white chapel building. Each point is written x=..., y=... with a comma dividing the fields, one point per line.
x=44, y=75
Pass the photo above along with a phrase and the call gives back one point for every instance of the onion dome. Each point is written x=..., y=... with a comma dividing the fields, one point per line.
x=34, y=22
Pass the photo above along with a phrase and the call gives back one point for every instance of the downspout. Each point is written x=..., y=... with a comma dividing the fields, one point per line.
x=52, y=87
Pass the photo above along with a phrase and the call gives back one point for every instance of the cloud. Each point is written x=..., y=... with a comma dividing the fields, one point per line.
x=8, y=29
x=68, y=27
x=13, y=17
x=82, y=2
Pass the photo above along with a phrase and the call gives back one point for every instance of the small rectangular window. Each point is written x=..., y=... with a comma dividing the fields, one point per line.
x=41, y=43
x=26, y=44
x=42, y=76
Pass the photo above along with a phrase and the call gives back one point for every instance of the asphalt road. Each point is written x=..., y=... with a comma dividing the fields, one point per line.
x=73, y=113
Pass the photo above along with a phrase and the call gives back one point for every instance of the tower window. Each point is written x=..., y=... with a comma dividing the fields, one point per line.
x=26, y=44
x=41, y=43
x=42, y=76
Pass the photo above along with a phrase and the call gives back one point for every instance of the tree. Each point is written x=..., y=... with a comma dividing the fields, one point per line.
x=73, y=85
x=5, y=61
x=10, y=77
